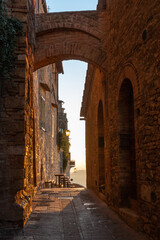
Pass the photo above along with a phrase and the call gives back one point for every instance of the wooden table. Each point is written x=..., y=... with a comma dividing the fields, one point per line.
x=58, y=177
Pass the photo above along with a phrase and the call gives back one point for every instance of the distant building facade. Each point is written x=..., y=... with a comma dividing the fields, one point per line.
x=47, y=156
x=63, y=129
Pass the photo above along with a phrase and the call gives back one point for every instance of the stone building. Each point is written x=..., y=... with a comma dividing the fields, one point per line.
x=62, y=117
x=45, y=96
x=121, y=109
x=63, y=128
x=42, y=127
x=121, y=105
x=45, y=103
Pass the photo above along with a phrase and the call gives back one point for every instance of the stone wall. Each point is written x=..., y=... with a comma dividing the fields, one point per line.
x=46, y=149
x=132, y=46
x=13, y=126
x=24, y=146
x=92, y=166
x=46, y=86
x=41, y=153
x=62, y=36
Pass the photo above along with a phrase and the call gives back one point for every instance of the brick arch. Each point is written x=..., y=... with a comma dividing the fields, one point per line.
x=127, y=91
x=71, y=35
x=127, y=154
x=83, y=21
x=128, y=72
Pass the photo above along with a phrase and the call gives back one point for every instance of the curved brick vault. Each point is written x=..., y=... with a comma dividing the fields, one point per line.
x=69, y=35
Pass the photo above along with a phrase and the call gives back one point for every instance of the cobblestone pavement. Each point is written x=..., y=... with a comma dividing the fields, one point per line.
x=73, y=214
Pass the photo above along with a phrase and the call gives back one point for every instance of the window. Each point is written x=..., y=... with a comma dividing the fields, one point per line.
x=43, y=112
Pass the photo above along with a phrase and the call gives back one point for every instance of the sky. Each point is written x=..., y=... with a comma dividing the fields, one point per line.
x=71, y=5
x=71, y=84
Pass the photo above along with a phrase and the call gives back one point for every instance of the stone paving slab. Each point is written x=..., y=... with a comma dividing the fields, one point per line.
x=73, y=214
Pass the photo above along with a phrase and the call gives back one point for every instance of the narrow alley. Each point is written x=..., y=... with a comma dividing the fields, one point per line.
x=73, y=214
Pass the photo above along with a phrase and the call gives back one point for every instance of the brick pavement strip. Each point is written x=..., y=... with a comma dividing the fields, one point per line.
x=73, y=214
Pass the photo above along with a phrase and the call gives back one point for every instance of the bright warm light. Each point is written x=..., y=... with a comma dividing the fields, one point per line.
x=67, y=133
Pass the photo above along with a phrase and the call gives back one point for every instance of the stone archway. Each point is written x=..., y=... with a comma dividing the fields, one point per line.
x=101, y=159
x=69, y=35
x=128, y=183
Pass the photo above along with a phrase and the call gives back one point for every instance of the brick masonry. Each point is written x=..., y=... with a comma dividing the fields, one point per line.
x=62, y=36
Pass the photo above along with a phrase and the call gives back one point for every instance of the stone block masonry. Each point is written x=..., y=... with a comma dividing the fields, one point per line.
x=21, y=144
x=12, y=138
x=130, y=95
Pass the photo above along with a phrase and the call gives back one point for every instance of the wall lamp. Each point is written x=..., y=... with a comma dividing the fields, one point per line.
x=68, y=133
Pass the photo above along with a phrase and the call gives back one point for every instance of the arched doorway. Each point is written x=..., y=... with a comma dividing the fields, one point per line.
x=101, y=161
x=128, y=184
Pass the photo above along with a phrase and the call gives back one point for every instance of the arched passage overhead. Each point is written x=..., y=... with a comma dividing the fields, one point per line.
x=85, y=21
x=70, y=35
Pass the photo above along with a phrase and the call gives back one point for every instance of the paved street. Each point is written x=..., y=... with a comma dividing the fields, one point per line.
x=73, y=214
